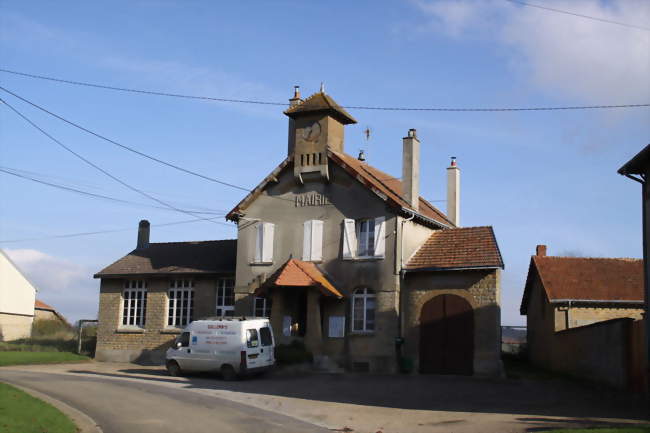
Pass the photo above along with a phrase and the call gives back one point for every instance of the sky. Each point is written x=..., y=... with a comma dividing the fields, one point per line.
x=540, y=177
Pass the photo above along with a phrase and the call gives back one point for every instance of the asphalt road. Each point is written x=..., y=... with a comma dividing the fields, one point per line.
x=127, y=407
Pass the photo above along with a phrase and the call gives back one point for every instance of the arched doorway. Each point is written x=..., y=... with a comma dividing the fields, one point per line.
x=447, y=336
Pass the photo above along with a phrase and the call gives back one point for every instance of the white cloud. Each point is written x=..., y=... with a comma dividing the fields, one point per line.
x=578, y=58
x=66, y=286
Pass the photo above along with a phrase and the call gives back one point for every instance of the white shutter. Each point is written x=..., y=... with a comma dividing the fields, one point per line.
x=316, y=240
x=259, y=240
x=380, y=236
x=267, y=242
x=349, y=239
x=306, y=241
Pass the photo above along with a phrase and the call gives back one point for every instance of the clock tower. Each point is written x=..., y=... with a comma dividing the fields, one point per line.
x=315, y=125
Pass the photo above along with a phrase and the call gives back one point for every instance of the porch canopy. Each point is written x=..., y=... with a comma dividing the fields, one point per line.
x=296, y=273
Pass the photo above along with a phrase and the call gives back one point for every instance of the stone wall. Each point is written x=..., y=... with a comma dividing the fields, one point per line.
x=480, y=288
x=148, y=344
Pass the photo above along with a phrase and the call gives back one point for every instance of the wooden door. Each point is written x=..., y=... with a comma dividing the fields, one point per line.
x=447, y=336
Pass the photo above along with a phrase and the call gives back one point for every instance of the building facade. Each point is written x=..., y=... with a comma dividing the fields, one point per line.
x=17, y=297
x=354, y=263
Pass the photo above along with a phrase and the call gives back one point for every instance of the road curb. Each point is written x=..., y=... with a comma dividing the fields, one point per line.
x=84, y=423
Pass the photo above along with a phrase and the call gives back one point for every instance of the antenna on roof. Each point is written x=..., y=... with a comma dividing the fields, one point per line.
x=362, y=155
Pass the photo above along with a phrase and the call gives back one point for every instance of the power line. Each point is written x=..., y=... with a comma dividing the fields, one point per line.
x=130, y=149
x=355, y=107
x=72, y=235
x=602, y=20
x=95, y=166
x=94, y=195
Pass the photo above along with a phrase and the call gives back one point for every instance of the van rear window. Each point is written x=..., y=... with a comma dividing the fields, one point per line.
x=251, y=338
x=265, y=336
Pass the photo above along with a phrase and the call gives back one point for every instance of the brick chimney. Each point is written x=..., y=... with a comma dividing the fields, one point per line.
x=411, y=169
x=453, y=192
x=143, y=234
x=540, y=251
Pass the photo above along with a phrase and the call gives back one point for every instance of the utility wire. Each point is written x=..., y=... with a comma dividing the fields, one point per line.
x=355, y=107
x=130, y=149
x=602, y=20
x=95, y=166
x=90, y=194
x=73, y=235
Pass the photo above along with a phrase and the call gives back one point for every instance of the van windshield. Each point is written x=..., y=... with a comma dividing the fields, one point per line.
x=265, y=336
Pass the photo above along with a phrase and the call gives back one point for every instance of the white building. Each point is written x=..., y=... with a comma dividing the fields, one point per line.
x=17, y=296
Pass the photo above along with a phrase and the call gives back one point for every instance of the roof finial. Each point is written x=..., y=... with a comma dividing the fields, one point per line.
x=322, y=87
x=362, y=156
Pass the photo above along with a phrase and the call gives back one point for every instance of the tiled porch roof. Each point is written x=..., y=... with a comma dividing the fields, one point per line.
x=296, y=273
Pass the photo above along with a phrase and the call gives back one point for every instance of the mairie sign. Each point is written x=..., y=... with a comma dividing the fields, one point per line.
x=312, y=199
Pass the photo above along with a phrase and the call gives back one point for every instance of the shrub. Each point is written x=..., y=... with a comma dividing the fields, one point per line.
x=292, y=353
x=51, y=328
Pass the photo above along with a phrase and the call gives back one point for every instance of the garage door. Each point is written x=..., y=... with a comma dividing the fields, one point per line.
x=447, y=336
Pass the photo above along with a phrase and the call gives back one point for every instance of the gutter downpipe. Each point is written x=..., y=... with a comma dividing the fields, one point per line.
x=400, y=322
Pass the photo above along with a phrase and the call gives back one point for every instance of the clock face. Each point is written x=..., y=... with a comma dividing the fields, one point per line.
x=311, y=132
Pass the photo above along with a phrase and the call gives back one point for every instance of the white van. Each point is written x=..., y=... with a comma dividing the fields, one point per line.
x=232, y=346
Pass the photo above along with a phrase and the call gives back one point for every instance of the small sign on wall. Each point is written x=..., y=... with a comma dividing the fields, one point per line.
x=336, y=327
x=286, y=326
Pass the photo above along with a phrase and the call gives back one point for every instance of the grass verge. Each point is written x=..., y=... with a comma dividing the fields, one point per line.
x=626, y=429
x=22, y=413
x=21, y=358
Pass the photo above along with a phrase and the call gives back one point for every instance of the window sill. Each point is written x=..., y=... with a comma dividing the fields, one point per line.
x=362, y=333
x=171, y=330
x=130, y=330
x=364, y=259
x=260, y=263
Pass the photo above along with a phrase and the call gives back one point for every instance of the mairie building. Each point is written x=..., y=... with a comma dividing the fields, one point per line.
x=341, y=256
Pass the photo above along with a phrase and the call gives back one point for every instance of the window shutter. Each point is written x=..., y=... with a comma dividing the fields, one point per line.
x=267, y=242
x=306, y=241
x=380, y=236
x=316, y=240
x=259, y=240
x=349, y=239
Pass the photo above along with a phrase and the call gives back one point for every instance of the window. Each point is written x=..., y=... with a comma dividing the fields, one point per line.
x=265, y=336
x=312, y=243
x=134, y=309
x=363, y=310
x=226, y=297
x=264, y=242
x=364, y=238
x=251, y=338
x=262, y=307
x=181, y=302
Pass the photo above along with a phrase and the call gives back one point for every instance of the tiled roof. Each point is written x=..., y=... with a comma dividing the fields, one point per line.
x=296, y=273
x=204, y=257
x=43, y=306
x=319, y=102
x=587, y=279
x=389, y=186
x=458, y=248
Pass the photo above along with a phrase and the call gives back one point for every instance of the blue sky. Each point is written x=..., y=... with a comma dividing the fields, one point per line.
x=537, y=177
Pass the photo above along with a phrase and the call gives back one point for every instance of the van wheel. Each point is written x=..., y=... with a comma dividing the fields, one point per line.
x=174, y=369
x=228, y=373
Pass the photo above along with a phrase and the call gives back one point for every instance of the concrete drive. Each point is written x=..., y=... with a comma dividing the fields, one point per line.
x=127, y=397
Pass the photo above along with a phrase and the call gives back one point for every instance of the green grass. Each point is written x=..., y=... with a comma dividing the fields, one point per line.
x=22, y=413
x=20, y=358
x=631, y=429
